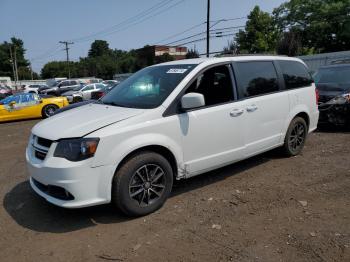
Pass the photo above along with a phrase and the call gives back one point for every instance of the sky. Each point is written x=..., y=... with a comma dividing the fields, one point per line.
x=41, y=24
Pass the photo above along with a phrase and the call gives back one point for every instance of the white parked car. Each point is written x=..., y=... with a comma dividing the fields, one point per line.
x=32, y=88
x=171, y=121
x=81, y=93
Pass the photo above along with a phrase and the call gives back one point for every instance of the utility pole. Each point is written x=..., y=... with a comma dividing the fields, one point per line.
x=16, y=63
x=31, y=70
x=208, y=18
x=13, y=65
x=67, y=48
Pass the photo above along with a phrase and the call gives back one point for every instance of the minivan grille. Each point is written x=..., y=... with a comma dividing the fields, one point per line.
x=41, y=146
x=40, y=155
x=44, y=142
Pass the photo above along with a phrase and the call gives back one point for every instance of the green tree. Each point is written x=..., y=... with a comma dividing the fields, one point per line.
x=290, y=44
x=259, y=35
x=99, y=48
x=321, y=25
x=163, y=58
x=231, y=48
x=58, y=69
x=192, y=53
x=15, y=46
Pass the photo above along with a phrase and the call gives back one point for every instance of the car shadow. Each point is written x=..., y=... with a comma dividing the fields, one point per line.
x=329, y=128
x=33, y=212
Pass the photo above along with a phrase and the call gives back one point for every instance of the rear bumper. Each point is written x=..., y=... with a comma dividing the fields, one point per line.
x=313, y=121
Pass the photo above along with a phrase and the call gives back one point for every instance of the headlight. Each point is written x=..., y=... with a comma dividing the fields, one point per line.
x=346, y=96
x=76, y=149
x=339, y=100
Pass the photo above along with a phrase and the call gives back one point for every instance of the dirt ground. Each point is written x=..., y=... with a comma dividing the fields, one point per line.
x=267, y=208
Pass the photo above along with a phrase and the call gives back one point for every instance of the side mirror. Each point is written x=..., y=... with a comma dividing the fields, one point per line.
x=12, y=103
x=192, y=100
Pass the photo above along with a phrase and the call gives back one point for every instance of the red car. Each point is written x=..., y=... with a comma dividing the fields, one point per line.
x=100, y=93
x=5, y=91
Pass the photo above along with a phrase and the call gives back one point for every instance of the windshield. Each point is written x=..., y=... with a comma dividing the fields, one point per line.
x=78, y=88
x=9, y=99
x=339, y=75
x=147, y=88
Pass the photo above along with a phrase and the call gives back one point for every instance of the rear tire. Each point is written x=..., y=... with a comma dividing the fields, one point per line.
x=142, y=184
x=295, y=137
x=49, y=110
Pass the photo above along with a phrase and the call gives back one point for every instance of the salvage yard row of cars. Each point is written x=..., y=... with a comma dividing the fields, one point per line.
x=41, y=101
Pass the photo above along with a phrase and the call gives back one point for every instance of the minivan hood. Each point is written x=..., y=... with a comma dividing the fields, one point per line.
x=328, y=91
x=80, y=121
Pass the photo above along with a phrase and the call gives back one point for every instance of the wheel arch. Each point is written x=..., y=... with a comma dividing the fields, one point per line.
x=46, y=105
x=299, y=111
x=162, y=150
x=304, y=116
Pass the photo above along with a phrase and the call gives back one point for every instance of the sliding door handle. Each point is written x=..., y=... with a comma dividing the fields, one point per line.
x=236, y=112
x=252, y=108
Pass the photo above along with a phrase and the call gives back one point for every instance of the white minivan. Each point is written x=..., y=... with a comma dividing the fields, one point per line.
x=171, y=121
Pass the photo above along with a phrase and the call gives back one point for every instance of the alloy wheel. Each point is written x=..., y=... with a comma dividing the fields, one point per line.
x=147, y=184
x=297, y=137
x=50, y=110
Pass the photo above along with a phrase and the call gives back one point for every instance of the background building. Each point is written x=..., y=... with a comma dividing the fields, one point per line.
x=315, y=61
x=178, y=52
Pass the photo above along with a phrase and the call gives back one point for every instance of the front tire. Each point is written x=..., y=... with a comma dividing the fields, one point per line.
x=295, y=137
x=49, y=110
x=142, y=184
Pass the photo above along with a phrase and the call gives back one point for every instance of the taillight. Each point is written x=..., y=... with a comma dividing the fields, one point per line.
x=317, y=95
x=100, y=94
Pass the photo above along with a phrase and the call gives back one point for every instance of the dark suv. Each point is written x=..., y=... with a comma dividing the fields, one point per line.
x=63, y=86
x=333, y=86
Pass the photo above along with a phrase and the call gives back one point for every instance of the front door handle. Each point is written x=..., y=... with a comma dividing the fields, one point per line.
x=236, y=112
x=252, y=108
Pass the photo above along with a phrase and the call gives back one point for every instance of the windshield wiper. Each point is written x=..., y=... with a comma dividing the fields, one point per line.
x=111, y=103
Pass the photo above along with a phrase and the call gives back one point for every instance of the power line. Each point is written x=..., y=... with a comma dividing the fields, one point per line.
x=146, y=18
x=47, y=53
x=134, y=20
x=198, y=34
x=202, y=39
x=182, y=32
x=198, y=25
x=229, y=19
x=53, y=50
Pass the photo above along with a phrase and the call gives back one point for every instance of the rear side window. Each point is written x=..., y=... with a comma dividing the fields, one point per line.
x=256, y=78
x=65, y=83
x=295, y=74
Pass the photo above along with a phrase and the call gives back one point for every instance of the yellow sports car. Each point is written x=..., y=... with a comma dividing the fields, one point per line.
x=24, y=106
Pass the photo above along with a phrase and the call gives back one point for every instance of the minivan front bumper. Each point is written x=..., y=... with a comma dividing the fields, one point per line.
x=69, y=184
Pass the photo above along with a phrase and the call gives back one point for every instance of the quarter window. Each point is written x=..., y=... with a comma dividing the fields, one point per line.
x=215, y=85
x=88, y=88
x=295, y=74
x=256, y=78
